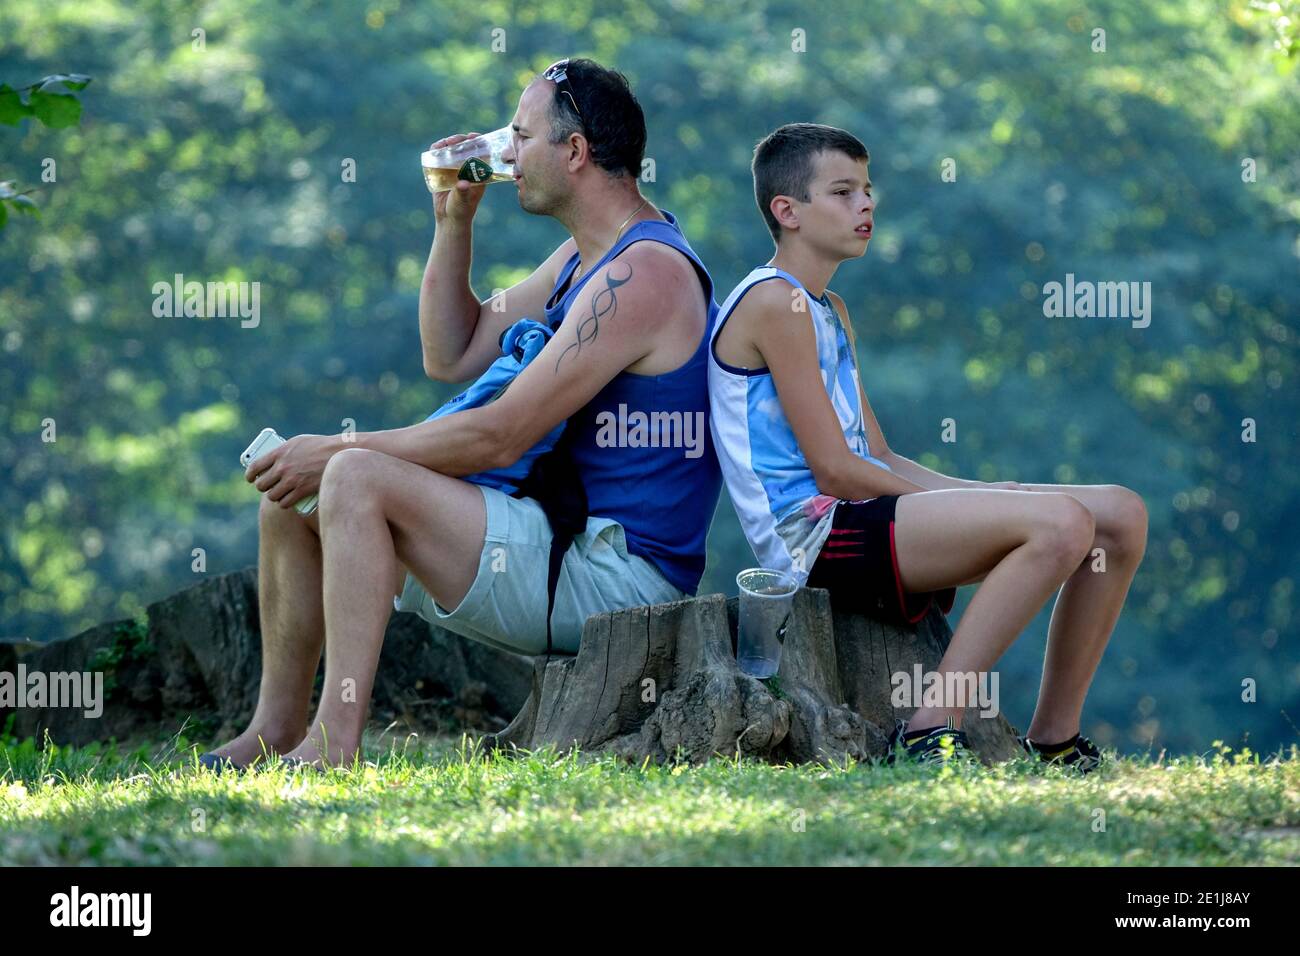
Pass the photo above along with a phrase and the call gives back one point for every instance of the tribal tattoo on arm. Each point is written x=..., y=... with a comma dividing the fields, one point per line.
x=604, y=305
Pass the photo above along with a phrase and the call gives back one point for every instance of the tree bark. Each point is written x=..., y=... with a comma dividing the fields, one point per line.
x=662, y=683
x=658, y=682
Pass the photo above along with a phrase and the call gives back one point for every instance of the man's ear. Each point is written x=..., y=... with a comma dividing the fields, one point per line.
x=579, y=151
x=785, y=212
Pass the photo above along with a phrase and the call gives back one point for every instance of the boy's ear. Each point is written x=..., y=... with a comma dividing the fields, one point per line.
x=785, y=212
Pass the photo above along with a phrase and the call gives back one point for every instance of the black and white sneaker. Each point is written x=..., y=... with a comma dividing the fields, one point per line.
x=1078, y=753
x=930, y=745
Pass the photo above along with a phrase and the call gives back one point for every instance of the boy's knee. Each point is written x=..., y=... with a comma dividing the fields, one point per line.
x=1066, y=528
x=1128, y=520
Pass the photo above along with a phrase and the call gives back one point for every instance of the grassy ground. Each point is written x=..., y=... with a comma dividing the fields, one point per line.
x=446, y=803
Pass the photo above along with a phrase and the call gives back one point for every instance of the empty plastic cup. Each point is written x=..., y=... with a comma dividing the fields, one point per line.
x=766, y=602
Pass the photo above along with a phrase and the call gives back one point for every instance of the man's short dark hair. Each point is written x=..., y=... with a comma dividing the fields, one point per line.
x=611, y=118
x=785, y=160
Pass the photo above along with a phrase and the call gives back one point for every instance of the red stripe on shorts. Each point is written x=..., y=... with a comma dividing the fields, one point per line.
x=898, y=582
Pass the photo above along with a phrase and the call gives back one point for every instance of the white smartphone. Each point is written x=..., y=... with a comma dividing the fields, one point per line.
x=264, y=442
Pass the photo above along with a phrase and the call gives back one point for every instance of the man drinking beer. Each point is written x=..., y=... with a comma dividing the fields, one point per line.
x=632, y=306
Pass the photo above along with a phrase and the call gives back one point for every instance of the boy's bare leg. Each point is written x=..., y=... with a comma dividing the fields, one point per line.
x=1024, y=544
x=1088, y=607
x=379, y=513
x=293, y=627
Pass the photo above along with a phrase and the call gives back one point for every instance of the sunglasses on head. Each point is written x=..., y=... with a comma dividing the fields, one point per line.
x=557, y=73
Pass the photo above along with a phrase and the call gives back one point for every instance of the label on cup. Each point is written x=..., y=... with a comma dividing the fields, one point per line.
x=475, y=170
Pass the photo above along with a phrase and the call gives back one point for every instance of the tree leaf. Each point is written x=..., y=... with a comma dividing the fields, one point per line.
x=73, y=81
x=12, y=107
x=4, y=214
x=26, y=206
x=56, y=110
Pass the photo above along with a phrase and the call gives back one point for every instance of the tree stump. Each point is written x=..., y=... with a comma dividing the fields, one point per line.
x=198, y=659
x=662, y=682
x=648, y=682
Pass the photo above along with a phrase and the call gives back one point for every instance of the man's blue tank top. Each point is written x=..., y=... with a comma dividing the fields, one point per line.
x=663, y=499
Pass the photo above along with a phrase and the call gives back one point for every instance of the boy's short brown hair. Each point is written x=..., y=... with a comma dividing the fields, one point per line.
x=784, y=163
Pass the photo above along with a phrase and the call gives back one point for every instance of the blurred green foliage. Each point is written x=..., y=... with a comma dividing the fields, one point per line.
x=53, y=101
x=219, y=155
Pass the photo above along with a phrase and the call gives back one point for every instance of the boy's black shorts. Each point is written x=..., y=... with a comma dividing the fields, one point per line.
x=859, y=565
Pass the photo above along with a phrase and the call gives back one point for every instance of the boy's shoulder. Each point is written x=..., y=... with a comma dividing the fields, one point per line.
x=756, y=308
x=770, y=295
x=774, y=291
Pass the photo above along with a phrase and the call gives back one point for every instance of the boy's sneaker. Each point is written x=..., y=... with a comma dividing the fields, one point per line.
x=1078, y=753
x=927, y=746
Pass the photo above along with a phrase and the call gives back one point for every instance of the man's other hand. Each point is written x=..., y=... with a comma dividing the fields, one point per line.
x=293, y=471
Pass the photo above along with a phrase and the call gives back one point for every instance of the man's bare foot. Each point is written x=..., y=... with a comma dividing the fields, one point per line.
x=310, y=751
x=254, y=744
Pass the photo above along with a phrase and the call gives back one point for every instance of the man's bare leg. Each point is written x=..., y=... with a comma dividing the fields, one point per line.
x=293, y=627
x=1024, y=544
x=1088, y=607
x=377, y=511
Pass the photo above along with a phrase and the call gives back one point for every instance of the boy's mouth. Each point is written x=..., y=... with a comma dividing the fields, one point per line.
x=864, y=230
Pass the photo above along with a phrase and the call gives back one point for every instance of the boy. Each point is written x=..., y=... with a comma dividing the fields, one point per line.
x=821, y=495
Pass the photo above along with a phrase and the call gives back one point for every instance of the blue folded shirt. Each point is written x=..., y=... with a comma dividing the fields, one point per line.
x=520, y=344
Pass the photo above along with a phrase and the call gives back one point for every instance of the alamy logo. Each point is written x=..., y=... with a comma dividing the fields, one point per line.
x=923, y=688
x=215, y=300
x=1103, y=300
x=653, y=430
x=103, y=909
x=82, y=690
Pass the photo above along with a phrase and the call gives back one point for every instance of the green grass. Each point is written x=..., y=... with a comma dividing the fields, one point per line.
x=444, y=802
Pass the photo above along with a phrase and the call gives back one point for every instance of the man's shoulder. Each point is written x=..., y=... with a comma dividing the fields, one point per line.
x=652, y=273
x=659, y=259
x=645, y=266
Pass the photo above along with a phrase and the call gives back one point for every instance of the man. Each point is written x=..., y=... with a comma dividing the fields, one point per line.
x=632, y=307
x=820, y=494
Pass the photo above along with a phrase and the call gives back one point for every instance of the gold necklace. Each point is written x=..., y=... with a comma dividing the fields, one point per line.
x=577, y=272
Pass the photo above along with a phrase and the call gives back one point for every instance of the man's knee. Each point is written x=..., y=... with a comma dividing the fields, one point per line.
x=272, y=515
x=350, y=480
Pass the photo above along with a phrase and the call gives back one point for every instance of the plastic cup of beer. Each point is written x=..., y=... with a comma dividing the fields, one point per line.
x=477, y=160
x=766, y=602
